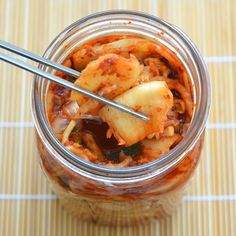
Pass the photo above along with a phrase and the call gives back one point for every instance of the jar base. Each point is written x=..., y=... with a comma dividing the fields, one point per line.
x=123, y=214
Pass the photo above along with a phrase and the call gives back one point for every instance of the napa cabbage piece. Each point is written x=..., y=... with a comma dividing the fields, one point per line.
x=140, y=48
x=155, y=148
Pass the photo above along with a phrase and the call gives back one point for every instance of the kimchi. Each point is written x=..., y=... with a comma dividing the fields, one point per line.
x=143, y=75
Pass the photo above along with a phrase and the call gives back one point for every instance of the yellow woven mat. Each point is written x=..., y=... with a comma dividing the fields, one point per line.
x=27, y=204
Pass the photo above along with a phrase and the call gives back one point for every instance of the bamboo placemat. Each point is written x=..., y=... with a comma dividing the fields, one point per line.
x=27, y=204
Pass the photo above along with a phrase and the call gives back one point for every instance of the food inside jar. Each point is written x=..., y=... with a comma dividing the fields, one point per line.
x=136, y=72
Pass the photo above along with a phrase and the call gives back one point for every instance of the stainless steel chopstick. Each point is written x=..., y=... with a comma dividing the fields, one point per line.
x=69, y=85
x=41, y=60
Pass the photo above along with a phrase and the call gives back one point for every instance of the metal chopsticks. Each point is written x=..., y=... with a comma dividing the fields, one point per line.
x=22, y=52
x=57, y=79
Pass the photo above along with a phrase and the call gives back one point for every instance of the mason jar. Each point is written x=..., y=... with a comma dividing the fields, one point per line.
x=132, y=195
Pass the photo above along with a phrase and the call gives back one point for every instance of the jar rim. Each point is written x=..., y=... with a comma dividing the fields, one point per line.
x=166, y=161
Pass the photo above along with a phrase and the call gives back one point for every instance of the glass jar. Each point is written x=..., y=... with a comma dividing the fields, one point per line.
x=133, y=195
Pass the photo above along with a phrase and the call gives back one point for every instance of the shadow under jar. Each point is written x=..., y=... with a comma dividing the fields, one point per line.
x=136, y=194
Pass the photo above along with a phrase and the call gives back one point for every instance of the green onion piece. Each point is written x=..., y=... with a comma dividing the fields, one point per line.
x=132, y=151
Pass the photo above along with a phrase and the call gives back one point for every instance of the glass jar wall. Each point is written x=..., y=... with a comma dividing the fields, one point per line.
x=132, y=195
